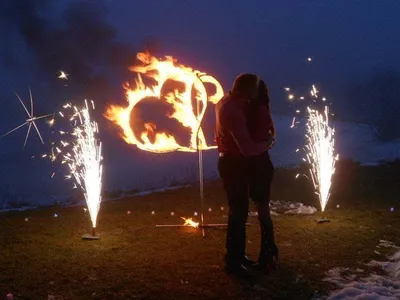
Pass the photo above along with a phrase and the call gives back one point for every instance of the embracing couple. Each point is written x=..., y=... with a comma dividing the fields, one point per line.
x=244, y=134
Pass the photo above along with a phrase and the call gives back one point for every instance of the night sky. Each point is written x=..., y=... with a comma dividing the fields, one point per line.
x=96, y=42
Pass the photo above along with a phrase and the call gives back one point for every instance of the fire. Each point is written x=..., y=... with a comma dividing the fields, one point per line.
x=190, y=222
x=160, y=71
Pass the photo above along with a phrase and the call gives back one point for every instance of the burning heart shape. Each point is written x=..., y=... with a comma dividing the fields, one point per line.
x=161, y=71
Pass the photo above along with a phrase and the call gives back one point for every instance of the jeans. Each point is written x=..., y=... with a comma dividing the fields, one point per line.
x=243, y=178
x=233, y=172
x=261, y=172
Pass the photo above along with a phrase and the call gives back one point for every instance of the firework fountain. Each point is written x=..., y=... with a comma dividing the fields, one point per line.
x=320, y=148
x=320, y=145
x=85, y=161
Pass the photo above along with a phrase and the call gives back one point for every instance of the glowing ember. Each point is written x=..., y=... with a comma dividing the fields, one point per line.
x=85, y=160
x=160, y=71
x=51, y=122
x=314, y=92
x=320, y=148
x=63, y=75
x=190, y=222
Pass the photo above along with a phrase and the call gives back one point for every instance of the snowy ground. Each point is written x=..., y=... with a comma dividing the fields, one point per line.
x=25, y=178
x=63, y=201
x=364, y=284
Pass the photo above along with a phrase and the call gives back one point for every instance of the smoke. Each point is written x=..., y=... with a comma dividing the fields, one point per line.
x=73, y=36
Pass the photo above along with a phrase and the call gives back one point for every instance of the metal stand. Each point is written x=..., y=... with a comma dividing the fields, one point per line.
x=202, y=225
x=201, y=179
x=322, y=220
x=93, y=236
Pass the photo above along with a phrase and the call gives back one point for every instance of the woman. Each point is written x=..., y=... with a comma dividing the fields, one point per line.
x=261, y=171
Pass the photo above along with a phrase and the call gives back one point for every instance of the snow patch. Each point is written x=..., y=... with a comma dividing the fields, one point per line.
x=292, y=208
x=302, y=210
x=372, y=287
x=287, y=208
x=387, y=244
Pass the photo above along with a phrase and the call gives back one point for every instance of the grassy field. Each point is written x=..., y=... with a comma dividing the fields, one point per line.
x=133, y=260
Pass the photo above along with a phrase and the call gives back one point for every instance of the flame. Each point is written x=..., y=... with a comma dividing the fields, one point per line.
x=160, y=71
x=190, y=222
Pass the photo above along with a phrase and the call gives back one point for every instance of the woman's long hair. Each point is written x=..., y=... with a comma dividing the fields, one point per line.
x=262, y=98
x=262, y=95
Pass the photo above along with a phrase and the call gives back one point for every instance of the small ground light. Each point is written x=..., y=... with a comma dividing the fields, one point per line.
x=172, y=213
x=210, y=209
x=153, y=213
x=392, y=209
x=55, y=216
x=337, y=206
x=222, y=208
x=26, y=219
x=195, y=214
x=128, y=212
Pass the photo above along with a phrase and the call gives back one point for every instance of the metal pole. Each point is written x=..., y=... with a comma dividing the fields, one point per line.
x=201, y=179
x=172, y=225
x=202, y=225
x=220, y=225
x=201, y=176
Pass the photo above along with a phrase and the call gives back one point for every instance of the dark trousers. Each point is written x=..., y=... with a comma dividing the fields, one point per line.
x=241, y=178
x=261, y=172
x=233, y=172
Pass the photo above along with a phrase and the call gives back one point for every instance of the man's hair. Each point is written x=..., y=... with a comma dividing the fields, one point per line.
x=245, y=84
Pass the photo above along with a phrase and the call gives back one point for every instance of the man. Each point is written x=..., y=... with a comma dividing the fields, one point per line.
x=235, y=146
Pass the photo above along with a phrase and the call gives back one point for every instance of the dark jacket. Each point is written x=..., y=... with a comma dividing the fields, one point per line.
x=231, y=132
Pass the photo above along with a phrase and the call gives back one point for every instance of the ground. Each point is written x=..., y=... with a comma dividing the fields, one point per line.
x=45, y=255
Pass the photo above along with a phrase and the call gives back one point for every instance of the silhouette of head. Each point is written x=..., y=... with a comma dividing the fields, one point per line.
x=246, y=85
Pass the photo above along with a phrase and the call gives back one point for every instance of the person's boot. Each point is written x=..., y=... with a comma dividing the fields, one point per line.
x=247, y=261
x=239, y=271
x=269, y=252
x=268, y=259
